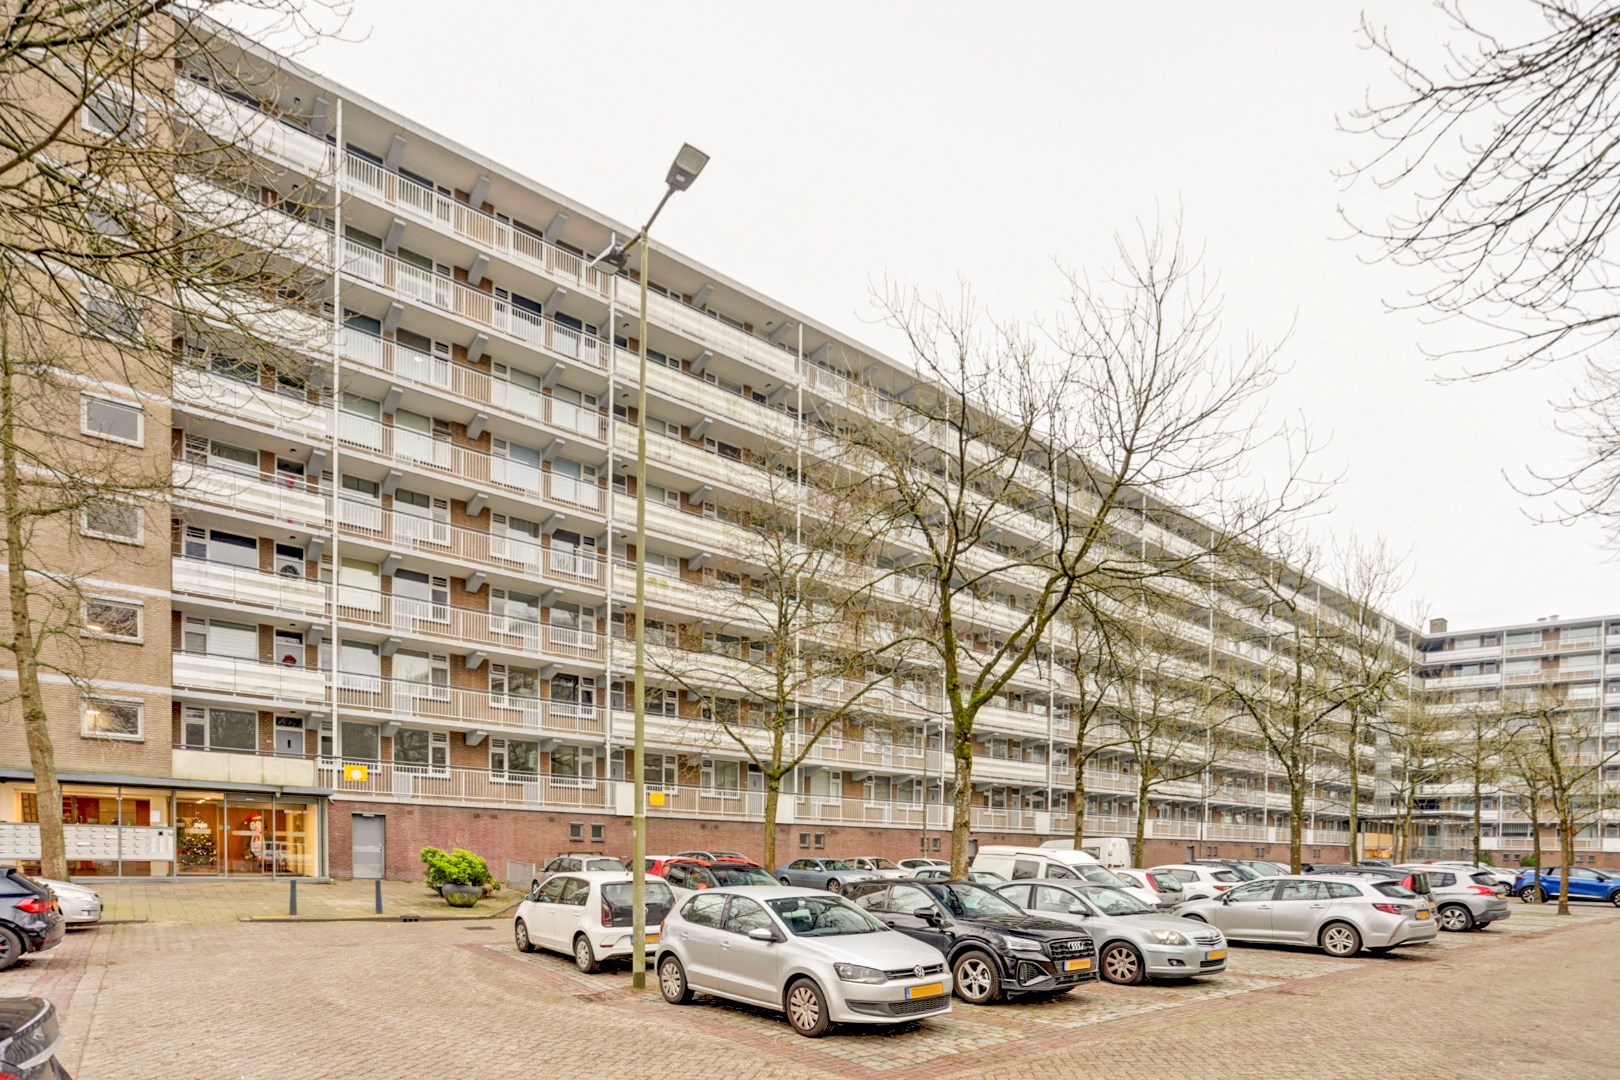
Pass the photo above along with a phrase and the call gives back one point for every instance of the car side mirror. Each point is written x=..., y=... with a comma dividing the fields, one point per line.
x=762, y=933
x=927, y=914
x=1076, y=909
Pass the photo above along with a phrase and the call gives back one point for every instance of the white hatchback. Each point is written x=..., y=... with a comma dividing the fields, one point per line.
x=587, y=916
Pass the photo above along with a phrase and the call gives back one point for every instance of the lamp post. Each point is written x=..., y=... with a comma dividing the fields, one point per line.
x=682, y=172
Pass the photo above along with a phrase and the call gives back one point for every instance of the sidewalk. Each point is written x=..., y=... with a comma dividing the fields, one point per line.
x=231, y=901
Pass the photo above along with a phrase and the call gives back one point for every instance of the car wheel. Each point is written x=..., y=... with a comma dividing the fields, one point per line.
x=785, y=881
x=672, y=981
x=520, y=934
x=1456, y=918
x=1340, y=939
x=834, y=885
x=584, y=955
x=1531, y=894
x=805, y=1008
x=11, y=948
x=977, y=982
x=1614, y=898
x=1196, y=918
x=1122, y=964
x=534, y=886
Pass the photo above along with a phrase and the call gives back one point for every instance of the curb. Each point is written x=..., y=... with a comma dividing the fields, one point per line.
x=498, y=914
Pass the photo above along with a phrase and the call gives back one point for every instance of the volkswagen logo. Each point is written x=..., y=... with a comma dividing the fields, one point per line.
x=918, y=971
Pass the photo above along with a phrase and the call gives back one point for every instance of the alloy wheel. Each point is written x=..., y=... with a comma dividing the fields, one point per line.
x=804, y=1007
x=1121, y=965
x=973, y=978
x=1455, y=917
x=1340, y=940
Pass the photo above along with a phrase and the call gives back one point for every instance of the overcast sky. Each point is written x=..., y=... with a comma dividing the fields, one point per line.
x=928, y=142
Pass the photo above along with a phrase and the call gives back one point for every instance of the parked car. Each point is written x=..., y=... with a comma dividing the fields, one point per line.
x=814, y=956
x=685, y=876
x=1499, y=875
x=1584, y=884
x=588, y=915
x=29, y=1034
x=574, y=862
x=29, y=919
x=988, y=878
x=654, y=864
x=1464, y=900
x=80, y=905
x=1200, y=882
x=1339, y=915
x=1017, y=864
x=1242, y=869
x=1416, y=880
x=1133, y=943
x=834, y=875
x=712, y=855
x=878, y=866
x=923, y=864
x=1165, y=886
x=994, y=949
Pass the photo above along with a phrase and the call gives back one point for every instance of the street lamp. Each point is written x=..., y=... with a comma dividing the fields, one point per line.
x=683, y=171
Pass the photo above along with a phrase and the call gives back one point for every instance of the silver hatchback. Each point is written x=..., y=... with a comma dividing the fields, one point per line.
x=1339, y=915
x=810, y=954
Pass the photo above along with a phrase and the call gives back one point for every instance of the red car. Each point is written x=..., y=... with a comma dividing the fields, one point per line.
x=687, y=875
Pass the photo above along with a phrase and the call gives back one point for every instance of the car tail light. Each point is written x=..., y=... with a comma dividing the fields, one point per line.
x=1483, y=890
x=1389, y=909
x=607, y=914
x=1222, y=888
x=35, y=906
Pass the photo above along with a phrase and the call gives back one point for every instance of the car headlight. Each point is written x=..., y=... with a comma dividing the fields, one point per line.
x=856, y=973
x=1022, y=943
x=1169, y=937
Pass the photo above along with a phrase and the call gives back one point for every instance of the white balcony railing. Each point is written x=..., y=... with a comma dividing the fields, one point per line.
x=253, y=404
x=509, y=553
x=237, y=123
x=273, y=496
x=391, y=781
x=236, y=677
x=465, y=628
x=248, y=587
x=405, y=699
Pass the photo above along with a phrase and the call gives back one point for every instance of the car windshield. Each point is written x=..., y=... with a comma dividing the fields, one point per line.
x=1114, y=902
x=972, y=901
x=741, y=875
x=983, y=877
x=835, y=864
x=1097, y=875
x=882, y=864
x=603, y=864
x=1226, y=876
x=1247, y=873
x=823, y=916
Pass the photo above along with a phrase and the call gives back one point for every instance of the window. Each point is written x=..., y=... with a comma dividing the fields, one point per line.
x=576, y=831
x=108, y=314
x=704, y=910
x=108, y=419
x=220, y=729
x=598, y=833
x=112, y=718
x=514, y=759
x=1302, y=890
x=573, y=764
x=217, y=637
x=720, y=777
x=746, y=915
x=117, y=619
x=427, y=750
x=111, y=519
x=361, y=742
x=661, y=773
x=1246, y=894
x=112, y=115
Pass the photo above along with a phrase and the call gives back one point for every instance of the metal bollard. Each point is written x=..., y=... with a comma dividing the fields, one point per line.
x=378, y=884
x=292, y=897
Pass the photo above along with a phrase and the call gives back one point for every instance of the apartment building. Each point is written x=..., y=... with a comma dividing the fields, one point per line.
x=392, y=608
x=1572, y=665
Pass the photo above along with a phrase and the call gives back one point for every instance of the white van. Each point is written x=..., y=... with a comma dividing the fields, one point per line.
x=1017, y=864
x=1113, y=852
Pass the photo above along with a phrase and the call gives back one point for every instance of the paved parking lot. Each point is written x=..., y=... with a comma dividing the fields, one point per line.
x=1534, y=997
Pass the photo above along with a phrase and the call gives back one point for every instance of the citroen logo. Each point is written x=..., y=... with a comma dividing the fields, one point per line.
x=918, y=971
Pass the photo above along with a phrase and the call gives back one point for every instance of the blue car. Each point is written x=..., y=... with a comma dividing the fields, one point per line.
x=1584, y=884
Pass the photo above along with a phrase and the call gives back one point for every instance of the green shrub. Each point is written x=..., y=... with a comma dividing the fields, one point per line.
x=458, y=867
x=1528, y=860
x=1485, y=858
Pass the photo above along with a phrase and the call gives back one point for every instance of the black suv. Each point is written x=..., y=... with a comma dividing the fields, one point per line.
x=30, y=921
x=994, y=948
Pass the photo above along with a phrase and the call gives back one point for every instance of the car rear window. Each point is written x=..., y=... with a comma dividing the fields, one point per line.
x=1483, y=878
x=1395, y=889
x=603, y=864
x=1226, y=876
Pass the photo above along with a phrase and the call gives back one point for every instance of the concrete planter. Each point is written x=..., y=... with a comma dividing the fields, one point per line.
x=462, y=895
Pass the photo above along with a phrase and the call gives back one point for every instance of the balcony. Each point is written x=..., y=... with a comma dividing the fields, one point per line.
x=266, y=318
x=409, y=701
x=987, y=769
x=882, y=757
x=390, y=782
x=267, y=228
x=996, y=819
x=248, y=679
x=262, y=770
x=1000, y=718
x=247, y=587
x=420, y=203
x=237, y=123
x=821, y=810
x=267, y=496
x=690, y=733
x=694, y=462
x=697, y=530
x=465, y=630
x=455, y=547
x=424, y=287
x=239, y=401
x=708, y=398
x=709, y=331
x=474, y=388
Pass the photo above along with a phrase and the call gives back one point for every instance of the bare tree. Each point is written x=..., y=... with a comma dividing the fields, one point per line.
x=1024, y=474
x=807, y=633
x=1417, y=730
x=1504, y=149
x=127, y=247
x=1474, y=751
x=1089, y=646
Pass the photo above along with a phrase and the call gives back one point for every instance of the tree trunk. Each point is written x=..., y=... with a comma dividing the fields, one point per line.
x=773, y=792
x=1141, y=821
x=1296, y=826
x=36, y=728
x=1535, y=844
x=1355, y=787
x=1079, y=803
x=962, y=801
x=1476, y=821
x=1566, y=857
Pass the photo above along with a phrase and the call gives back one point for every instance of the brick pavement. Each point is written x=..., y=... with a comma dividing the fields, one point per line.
x=244, y=1001
x=229, y=901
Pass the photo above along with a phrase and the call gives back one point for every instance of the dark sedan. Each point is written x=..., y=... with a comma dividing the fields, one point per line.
x=30, y=921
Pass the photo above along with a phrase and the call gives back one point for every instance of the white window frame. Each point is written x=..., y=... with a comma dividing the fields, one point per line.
x=86, y=704
x=88, y=629
x=87, y=398
x=138, y=539
x=706, y=772
x=504, y=773
x=438, y=762
x=204, y=715
x=121, y=105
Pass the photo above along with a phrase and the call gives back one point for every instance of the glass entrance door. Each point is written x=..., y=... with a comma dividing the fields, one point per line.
x=200, y=834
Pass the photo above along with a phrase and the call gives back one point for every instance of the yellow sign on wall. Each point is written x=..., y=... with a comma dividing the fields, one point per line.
x=655, y=798
x=356, y=774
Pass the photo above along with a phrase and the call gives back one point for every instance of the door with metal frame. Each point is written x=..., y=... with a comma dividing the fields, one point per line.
x=368, y=845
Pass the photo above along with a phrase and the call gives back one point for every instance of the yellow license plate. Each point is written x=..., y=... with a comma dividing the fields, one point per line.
x=652, y=939
x=1215, y=954
x=1423, y=914
x=925, y=990
x=1076, y=965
